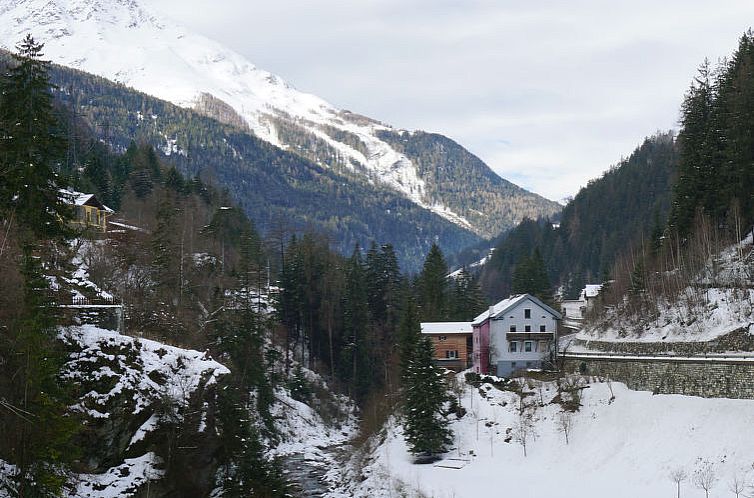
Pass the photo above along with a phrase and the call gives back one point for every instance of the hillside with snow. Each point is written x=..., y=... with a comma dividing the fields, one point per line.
x=713, y=300
x=621, y=443
x=126, y=41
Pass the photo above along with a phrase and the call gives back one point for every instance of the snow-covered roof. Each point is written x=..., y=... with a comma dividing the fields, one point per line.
x=446, y=328
x=498, y=308
x=591, y=290
x=506, y=304
x=81, y=199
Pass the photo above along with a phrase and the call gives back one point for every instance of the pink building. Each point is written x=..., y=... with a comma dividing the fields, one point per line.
x=517, y=333
x=481, y=352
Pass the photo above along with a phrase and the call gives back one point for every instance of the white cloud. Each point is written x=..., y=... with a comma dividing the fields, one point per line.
x=548, y=93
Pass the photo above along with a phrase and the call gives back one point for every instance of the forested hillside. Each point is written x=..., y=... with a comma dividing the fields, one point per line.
x=151, y=408
x=716, y=168
x=457, y=178
x=696, y=275
x=280, y=190
x=63, y=409
x=613, y=213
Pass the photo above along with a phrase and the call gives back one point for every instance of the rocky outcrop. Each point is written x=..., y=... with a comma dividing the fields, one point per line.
x=212, y=107
x=148, y=412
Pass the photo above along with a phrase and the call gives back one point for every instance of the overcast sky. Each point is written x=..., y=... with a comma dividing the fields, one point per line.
x=548, y=93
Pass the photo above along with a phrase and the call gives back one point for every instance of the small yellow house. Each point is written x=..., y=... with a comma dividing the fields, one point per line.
x=89, y=212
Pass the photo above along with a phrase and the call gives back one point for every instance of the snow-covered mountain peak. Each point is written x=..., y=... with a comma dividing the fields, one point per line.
x=60, y=16
x=128, y=42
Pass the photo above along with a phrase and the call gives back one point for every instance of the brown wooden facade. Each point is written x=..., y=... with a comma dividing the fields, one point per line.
x=452, y=351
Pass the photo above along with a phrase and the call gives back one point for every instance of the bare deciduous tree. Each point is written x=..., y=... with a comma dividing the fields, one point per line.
x=678, y=475
x=523, y=431
x=705, y=478
x=738, y=484
x=610, y=386
x=565, y=423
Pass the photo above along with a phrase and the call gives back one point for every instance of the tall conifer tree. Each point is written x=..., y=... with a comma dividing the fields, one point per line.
x=433, y=286
x=32, y=146
x=425, y=426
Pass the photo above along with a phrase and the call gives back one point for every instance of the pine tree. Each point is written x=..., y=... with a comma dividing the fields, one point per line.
x=38, y=425
x=246, y=469
x=174, y=181
x=165, y=255
x=409, y=334
x=383, y=280
x=638, y=280
x=425, y=426
x=467, y=301
x=530, y=277
x=433, y=286
x=734, y=104
x=693, y=165
x=357, y=355
x=290, y=299
x=32, y=146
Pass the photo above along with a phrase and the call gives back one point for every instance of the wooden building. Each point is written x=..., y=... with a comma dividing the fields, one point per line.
x=452, y=343
x=89, y=212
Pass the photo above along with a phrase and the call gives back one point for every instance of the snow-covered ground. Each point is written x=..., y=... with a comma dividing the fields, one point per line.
x=304, y=431
x=121, y=481
x=717, y=300
x=717, y=312
x=623, y=449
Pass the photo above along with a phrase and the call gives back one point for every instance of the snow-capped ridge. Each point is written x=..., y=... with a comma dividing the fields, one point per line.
x=159, y=57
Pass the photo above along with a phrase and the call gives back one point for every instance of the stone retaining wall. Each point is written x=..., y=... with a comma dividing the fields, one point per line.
x=694, y=377
x=738, y=340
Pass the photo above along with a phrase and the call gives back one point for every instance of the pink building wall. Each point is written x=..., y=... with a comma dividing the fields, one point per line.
x=481, y=343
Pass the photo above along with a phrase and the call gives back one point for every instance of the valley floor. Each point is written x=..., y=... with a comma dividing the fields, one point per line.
x=621, y=448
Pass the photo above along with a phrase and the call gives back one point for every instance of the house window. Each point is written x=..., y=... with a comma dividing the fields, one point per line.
x=543, y=346
x=527, y=328
x=528, y=364
x=451, y=355
x=542, y=328
x=512, y=346
x=513, y=365
x=443, y=338
x=528, y=346
x=513, y=328
x=527, y=313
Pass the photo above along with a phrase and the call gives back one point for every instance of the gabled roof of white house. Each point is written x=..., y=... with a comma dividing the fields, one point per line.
x=446, y=328
x=591, y=290
x=506, y=304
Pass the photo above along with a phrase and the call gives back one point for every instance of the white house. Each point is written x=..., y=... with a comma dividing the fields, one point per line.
x=590, y=293
x=516, y=333
x=575, y=309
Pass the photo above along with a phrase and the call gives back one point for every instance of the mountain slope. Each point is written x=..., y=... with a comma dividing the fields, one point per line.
x=279, y=190
x=607, y=218
x=457, y=178
x=124, y=41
